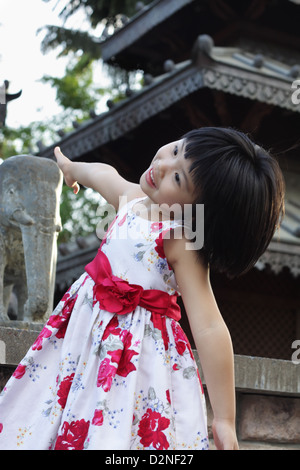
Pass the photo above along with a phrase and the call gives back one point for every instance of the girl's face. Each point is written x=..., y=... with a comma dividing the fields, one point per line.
x=168, y=180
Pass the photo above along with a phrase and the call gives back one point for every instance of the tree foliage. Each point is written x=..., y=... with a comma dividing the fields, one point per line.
x=23, y=139
x=100, y=10
x=69, y=40
x=108, y=13
x=78, y=213
x=76, y=89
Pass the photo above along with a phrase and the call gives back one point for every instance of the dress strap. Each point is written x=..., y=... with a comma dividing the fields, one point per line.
x=130, y=204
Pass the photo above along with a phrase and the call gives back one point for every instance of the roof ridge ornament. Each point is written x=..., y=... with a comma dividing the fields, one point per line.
x=5, y=97
x=243, y=59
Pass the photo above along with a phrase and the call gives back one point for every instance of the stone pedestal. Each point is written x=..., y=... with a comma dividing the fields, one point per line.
x=16, y=340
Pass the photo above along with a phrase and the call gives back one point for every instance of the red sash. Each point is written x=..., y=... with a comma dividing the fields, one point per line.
x=118, y=296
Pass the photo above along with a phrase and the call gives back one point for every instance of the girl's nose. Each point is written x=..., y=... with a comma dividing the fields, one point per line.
x=163, y=166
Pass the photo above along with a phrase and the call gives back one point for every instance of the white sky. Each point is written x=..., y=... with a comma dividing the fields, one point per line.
x=21, y=60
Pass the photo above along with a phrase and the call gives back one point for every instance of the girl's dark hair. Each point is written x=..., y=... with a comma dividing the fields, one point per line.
x=242, y=189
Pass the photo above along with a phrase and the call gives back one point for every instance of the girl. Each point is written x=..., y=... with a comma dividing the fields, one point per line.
x=112, y=368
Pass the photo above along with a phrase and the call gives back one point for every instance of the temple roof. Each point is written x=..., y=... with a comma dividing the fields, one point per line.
x=167, y=28
x=229, y=70
x=149, y=18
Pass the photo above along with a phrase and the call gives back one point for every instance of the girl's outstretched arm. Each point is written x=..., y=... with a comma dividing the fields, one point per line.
x=211, y=338
x=101, y=177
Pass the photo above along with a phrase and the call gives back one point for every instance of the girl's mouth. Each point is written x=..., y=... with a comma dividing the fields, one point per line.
x=150, y=178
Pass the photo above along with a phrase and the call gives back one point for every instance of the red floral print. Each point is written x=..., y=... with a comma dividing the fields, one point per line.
x=123, y=356
x=150, y=430
x=156, y=226
x=181, y=341
x=38, y=344
x=19, y=372
x=106, y=374
x=98, y=418
x=73, y=435
x=64, y=389
x=61, y=321
x=111, y=328
x=1, y=427
x=159, y=322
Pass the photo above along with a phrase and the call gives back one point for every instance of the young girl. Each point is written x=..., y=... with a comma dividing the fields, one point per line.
x=112, y=368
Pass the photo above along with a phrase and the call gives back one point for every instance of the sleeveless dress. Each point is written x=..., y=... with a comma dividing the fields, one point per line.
x=119, y=379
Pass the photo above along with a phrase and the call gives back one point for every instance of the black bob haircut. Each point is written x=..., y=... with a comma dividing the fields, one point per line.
x=242, y=189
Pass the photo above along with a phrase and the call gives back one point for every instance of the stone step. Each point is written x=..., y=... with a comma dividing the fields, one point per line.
x=15, y=341
x=6, y=371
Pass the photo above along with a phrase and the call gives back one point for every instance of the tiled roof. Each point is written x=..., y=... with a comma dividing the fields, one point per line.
x=231, y=70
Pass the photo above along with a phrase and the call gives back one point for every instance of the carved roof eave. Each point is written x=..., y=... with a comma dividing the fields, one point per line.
x=201, y=71
x=279, y=256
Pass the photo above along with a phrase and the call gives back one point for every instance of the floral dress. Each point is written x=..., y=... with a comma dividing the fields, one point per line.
x=118, y=379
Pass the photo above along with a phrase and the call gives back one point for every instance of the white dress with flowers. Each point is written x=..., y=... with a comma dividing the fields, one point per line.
x=98, y=380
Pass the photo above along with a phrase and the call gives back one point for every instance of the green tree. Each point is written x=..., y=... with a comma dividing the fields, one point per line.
x=86, y=47
x=22, y=140
x=100, y=11
x=76, y=90
x=78, y=213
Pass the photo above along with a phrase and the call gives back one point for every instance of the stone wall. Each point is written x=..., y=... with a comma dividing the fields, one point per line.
x=265, y=422
x=268, y=404
x=267, y=392
x=15, y=342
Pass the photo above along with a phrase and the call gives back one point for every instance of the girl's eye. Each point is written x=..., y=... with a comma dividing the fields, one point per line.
x=177, y=178
x=175, y=150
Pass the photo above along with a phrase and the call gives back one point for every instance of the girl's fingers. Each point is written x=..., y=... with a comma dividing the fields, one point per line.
x=75, y=187
x=62, y=162
x=59, y=155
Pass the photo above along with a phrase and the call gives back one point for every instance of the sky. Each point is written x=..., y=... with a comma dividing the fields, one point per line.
x=21, y=60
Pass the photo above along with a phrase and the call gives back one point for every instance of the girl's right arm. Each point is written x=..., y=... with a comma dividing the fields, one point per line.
x=101, y=177
x=211, y=336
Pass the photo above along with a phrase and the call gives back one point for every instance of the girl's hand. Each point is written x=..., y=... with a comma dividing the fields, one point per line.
x=65, y=165
x=224, y=435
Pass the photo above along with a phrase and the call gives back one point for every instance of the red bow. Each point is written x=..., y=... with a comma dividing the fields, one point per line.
x=118, y=296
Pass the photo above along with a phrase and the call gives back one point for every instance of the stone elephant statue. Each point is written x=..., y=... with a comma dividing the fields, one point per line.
x=30, y=189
